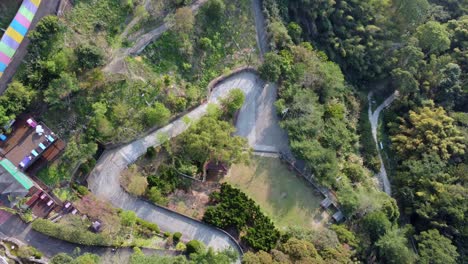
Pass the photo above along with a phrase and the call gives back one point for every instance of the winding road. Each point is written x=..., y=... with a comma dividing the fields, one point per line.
x=257, y=121
x=374, y=120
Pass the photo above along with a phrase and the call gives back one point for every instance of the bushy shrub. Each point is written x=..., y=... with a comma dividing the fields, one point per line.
x=177, y=236
x=194, y=246
x=150, y=152
x=25, y=252
x=82, y=190
x=89, y=56
x=167, y=234
x=148, y=225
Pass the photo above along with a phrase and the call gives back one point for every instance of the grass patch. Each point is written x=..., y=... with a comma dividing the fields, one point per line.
x=51, y=175
x=214, y=47
x=284, y=197
x=91, y=16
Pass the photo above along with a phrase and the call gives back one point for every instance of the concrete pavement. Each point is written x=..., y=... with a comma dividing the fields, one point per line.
x=374, y=120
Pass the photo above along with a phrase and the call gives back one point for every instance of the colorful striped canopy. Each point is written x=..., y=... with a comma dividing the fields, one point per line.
x=16, y=32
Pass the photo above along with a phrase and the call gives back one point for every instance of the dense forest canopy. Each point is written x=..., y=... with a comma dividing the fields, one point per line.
x=416, y=47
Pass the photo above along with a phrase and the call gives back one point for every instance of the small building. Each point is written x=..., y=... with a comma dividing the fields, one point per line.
x=338, y=216
x=14, y=185
x=96, y=227
x=326, y=203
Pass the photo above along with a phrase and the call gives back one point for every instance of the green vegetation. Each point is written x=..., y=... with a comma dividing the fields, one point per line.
x=200, y=256
x=415, y=47
x=71, y=234
x=200, y=48
x=285, y=198
x=86, y=258
x=118, y=228
x=208, y=140
x=304, y=246
x=233, y=209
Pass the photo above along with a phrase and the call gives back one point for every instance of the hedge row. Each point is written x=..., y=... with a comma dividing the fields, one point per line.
x=70, y=234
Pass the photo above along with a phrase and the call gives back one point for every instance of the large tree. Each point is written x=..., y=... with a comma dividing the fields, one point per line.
x=435, y=248
x=433, y=37
x=427, y=129
x=211, y=139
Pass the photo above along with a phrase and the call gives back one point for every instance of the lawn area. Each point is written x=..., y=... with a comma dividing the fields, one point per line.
x=284, y=197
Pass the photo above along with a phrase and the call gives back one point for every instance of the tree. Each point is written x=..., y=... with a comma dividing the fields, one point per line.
x=59, y=90
x=211, y=139
x=61, y=258
x=376, y=224
x=138, y=185
x=427, y=129
x=212, y=257
x=435, y=248
x=279, y=34
x=78, y=152
x=270, y=70
x=214, y=10
x=44, y=34
x=87, y=258
x=184, y=20
x=392, y=248
x=89, y=57
x=128, y=218
x=233, y=101
x=433, y=37
x=404, y=81
x=295, y=31
x=155, y=195
x=412, y=12
x=194, y=246
x=156, y=115
x=450, y=86
x=16, y=98
x=260, y=257
x=299, y=249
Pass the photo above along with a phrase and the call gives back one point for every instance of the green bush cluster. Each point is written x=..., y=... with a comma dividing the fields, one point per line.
x=233, y=209
x=177, y=236
x=71, y=234
x=194, y=246
x=148, y=225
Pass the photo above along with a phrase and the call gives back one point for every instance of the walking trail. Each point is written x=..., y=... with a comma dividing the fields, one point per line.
x=374, y=120
x=257, y=122
x=116, y=65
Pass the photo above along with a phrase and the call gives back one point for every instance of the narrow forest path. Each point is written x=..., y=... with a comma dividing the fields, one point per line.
x=374, y=120
x=117, y=63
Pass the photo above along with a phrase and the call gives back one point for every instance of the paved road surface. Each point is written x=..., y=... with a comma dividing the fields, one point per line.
x=257, y=121
x=260, y=27
x=104, y=180
x=374, y=120
x=47, y=7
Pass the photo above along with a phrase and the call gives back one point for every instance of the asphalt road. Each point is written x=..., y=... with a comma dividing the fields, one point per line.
x=104, y=180
x=374, y=120
x=257, y=121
